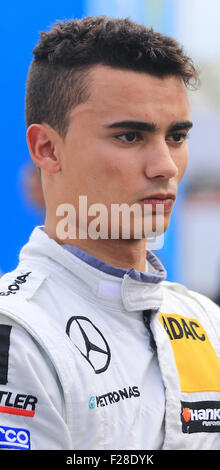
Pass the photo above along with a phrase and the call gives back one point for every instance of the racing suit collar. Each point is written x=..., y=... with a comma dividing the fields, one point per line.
x=154, y=273
x=108, y=285
x=137, y=287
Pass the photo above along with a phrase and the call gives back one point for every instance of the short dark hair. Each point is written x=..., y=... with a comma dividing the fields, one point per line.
x=58, y=76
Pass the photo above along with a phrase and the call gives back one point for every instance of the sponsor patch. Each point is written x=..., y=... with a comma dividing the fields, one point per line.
x=5, y=332
x=113, y=397
x=17, y=404
x=88, y=339
x=197, y=363
x=200, y=416
x=14, y=438
x=14, y=287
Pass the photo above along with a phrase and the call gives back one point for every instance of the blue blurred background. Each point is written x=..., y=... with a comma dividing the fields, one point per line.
x=191, y=253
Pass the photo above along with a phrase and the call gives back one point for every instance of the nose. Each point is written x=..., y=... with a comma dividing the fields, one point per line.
x=159, y=162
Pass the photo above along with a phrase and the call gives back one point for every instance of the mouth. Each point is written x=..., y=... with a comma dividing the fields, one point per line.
x=167, y=200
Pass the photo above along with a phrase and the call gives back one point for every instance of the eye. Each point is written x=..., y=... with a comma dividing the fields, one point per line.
x=129, y=137
x=177, y=138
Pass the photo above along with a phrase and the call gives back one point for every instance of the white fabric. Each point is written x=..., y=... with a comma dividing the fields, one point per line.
x=114, y=398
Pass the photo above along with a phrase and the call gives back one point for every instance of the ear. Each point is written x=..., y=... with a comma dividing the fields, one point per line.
x=41, y=140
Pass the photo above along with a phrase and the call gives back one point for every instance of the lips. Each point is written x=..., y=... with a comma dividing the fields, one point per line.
x=166, y=200
x=160, y=196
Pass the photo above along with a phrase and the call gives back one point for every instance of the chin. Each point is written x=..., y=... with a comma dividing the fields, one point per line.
x=157, y=225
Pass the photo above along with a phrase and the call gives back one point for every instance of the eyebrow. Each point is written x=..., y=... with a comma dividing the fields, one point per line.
x=180, y=126
x=149, y=126
x=137, y=125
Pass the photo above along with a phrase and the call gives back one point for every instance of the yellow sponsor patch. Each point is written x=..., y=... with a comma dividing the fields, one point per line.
x=196, y=360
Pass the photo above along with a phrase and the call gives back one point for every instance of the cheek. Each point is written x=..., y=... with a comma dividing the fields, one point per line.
x=112, y=165
x=99, y=170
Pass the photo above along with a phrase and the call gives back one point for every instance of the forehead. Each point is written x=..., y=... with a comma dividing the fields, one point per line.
x=124, y=93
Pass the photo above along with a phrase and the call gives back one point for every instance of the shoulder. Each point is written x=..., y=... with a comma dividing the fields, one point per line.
x=21, y=282
x=182, y=292
x=31, y=398
x=19, y=351
x=22, y=321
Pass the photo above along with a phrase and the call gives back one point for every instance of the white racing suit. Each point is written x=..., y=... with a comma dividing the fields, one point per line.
x=94, y=357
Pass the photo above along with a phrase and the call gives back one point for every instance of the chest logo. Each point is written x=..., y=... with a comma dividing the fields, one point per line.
x=200, y=416
x=90, y=342
x=196, y=360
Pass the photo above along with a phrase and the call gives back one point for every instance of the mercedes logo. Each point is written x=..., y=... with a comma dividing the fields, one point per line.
x=90, y=342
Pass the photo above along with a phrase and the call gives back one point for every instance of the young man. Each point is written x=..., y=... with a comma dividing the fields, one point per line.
x=97, y=350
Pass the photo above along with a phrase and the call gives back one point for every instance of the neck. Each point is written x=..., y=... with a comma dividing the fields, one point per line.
x=120, y=253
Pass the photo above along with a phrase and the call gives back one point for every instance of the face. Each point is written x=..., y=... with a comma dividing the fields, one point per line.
x=127, y=143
